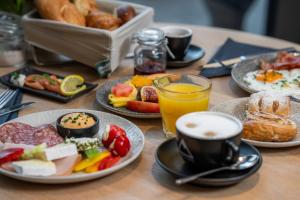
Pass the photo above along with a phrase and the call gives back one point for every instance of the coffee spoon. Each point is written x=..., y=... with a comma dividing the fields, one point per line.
x=244, y=162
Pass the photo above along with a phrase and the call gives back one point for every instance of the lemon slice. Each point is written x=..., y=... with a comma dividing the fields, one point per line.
x=72, y=84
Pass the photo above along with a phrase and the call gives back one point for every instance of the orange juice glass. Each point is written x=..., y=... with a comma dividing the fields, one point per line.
x=180, y=95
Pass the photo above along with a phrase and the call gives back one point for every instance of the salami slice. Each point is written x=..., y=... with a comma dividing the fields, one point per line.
x=20, y=133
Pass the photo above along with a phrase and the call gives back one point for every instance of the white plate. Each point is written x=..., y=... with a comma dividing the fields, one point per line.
x=134, y=134
x=237, y=108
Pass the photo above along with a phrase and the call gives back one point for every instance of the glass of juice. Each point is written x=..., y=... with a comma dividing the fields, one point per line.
x=179, y=95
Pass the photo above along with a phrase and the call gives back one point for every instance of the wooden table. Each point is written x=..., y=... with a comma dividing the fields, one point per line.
x=278, y=178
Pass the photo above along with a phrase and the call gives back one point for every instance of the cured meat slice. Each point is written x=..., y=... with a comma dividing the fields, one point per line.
x=47, y=134
x=20, y=133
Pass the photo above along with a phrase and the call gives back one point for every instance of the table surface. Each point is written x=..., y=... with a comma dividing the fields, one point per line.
x=278, y=178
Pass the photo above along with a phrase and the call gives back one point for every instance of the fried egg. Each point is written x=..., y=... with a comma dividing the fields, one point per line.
x=287, y=81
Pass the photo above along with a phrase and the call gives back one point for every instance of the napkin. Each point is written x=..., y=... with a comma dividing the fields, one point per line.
x=17, y=99
x=232, y=49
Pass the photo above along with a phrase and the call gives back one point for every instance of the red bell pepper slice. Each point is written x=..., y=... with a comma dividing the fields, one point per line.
x=108, y=162
x=12, y=154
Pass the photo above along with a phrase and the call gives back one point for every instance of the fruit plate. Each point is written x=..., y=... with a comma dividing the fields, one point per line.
x=102, y=99
x=134, y=134
x=5, y=79
x=237, y=108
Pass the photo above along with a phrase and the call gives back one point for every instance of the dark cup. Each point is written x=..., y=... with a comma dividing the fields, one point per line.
x=179, y=40
x=209, y=151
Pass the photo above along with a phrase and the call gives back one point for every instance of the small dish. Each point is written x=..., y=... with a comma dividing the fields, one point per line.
x=89, y=131
x=5, y=79
x=102, y=99
x=237, y=108
x=168, y=158
x=193, y=54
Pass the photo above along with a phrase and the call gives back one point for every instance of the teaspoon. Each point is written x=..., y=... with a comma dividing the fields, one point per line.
x=244, y=162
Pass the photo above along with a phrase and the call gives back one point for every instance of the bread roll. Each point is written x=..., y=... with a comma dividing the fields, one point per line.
x=268, y=127
x=85, y=6
x=103, y=20
x=270, y=103
x=125, y=13
x=60, y=10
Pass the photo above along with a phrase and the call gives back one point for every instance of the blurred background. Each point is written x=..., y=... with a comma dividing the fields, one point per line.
x=276, y=18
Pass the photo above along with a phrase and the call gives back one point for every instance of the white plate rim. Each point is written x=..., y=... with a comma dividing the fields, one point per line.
x=77, y=177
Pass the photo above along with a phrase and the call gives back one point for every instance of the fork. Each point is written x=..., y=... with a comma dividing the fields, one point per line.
x=6, y=96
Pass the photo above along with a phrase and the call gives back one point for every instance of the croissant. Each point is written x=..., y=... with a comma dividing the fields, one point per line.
x=103, y=20
x=60, y=10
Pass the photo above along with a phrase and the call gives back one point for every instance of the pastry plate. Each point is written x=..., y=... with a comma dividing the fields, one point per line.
x=168, y=158
x=5, y=79
x=102, y=98
x=134, y=134
x=237, y=108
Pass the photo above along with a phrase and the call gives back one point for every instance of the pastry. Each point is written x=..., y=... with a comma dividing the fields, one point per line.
x=270, y=103
x=60, y=10
x=103, y=20
x=268, y=127
x=85, y=6
x=125, y=13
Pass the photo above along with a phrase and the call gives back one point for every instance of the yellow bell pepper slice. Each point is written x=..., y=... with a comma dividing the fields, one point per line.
x=89, y=162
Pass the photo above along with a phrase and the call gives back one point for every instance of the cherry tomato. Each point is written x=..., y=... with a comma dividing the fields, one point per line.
x=112, y=131
x=120, y=146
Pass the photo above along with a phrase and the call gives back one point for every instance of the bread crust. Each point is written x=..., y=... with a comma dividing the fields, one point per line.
x=60, y=10
x=268, y=127
x=85, y=6
x=103, y=20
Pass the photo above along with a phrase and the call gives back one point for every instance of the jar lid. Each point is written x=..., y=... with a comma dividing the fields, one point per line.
x=150, y=36
x=9, y=26
x=10, y=18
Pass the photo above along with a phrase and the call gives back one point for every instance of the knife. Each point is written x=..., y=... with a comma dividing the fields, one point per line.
x=14, y=108
x=231, y=61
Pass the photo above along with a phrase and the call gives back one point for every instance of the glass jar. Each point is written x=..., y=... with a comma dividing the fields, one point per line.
x=150, y=56
x=12, y=45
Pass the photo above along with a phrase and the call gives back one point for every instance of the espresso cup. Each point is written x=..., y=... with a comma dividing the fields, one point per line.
x=179, y=39
x=208, y=139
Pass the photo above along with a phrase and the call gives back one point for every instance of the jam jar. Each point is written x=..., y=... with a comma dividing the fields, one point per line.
x=150, y=56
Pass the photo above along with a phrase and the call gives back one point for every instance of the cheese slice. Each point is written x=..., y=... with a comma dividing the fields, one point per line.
x=34, y=167
x=59, y=151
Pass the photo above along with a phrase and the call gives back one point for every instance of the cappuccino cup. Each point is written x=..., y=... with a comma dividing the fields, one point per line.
x=179, y=39
x=208, y=139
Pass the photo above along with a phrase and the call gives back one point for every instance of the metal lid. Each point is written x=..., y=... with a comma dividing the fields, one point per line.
x=10, y=26
x=150, y=36
x=10, y=18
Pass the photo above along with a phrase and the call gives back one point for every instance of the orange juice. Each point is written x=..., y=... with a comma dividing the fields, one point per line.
x=177, y=99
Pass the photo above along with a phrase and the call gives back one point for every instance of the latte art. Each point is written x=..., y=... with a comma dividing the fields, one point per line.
x=208, y=125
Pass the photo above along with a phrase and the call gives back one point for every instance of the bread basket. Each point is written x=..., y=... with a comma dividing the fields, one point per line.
x=98, y=48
